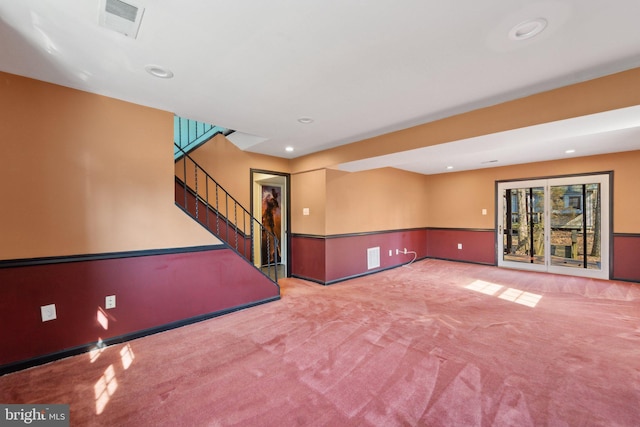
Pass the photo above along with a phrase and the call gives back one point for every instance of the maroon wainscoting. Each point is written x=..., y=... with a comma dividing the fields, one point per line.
x=150, y=290
x=626, y=257
x=347, y=256
x=478, y=246
x=308, y=257
x=335, y=258
x=216, y=224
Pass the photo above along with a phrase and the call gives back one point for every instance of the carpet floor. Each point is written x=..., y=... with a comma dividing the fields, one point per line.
x=435, y=343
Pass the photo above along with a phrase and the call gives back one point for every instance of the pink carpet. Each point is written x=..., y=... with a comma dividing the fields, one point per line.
x=435, y=344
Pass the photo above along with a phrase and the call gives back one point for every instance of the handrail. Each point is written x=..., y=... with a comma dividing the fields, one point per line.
x=205, y=200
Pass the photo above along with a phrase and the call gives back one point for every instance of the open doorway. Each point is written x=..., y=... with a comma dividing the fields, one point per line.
x=270, y=204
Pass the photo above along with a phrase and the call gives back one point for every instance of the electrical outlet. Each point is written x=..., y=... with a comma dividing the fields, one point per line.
x=390, y=252
x=48, y=312
x=405, y=250
x=459, y=245
x=397, y=251
x=110, y=302
x=484, y=211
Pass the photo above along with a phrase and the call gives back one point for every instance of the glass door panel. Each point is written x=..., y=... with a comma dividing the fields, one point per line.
x=521, y=242
x=575, y=229
x=523, y=237
x=559, y=225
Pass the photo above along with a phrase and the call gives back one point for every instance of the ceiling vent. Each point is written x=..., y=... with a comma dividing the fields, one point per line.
x=120, y=16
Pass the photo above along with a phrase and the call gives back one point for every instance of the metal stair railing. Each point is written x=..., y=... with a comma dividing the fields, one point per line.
x=206, y=201
x=189, y=134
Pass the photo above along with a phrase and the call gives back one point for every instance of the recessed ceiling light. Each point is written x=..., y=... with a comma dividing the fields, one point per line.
x=158, y=71
x=289, y=149
x=528, y=29
x=449, y=167
x=305, y=120
x=570, y=151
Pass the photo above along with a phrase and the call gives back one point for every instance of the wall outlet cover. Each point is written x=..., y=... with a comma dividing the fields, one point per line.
x=48, y=312
x=110, y=302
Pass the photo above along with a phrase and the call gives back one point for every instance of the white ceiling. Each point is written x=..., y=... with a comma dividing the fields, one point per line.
x=358, y=68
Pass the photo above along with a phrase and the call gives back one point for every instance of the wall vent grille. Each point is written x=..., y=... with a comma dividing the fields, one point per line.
x=373, y=258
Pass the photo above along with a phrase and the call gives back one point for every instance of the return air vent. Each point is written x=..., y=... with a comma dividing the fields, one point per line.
x=120, y=16
x=373, y=258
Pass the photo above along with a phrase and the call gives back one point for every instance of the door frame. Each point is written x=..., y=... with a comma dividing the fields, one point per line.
x=606, y=231
x=283, y=180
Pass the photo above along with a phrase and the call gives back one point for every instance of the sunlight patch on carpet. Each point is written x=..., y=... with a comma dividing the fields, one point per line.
x=520, y=297
x=510, y=294
x=127, y=356
x=486, y=288
x=104, y=388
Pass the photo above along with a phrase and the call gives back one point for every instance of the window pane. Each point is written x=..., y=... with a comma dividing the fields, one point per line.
x=567, y=234
x=523, y=235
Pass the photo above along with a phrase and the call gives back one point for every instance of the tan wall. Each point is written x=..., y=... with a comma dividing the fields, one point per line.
x=457, y=199
x=104, y=188
x=376, y=200
x=594, y=96
x=230, y=166
x=309, y=190
x=343, y=202
x=81, y=173
x=338, y=202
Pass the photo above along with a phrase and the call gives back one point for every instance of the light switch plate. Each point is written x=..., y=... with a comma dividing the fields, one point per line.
x=48, y=312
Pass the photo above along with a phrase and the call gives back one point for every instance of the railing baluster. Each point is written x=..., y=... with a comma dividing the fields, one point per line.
x=184, y=179
x=206, y=188
x=217, y=212
x=275, y=258
x=226, y=215
x=197, y=194
x=179, y=132
x=253, y=237
x=235, y=222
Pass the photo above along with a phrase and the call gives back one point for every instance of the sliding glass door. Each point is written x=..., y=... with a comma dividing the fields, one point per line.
x=559, y=225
